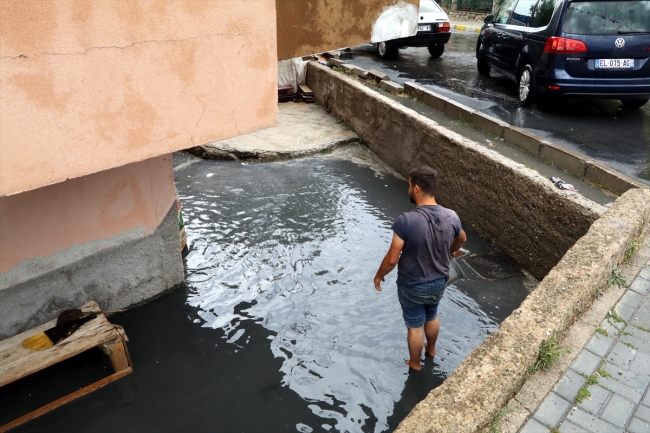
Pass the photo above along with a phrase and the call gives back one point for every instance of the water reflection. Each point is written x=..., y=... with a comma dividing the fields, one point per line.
x=294, y=248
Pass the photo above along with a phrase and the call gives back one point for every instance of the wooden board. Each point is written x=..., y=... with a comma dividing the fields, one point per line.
x=17, y=362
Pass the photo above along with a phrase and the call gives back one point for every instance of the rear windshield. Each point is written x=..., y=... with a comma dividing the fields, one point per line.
x=429, y=6
x=607, y=17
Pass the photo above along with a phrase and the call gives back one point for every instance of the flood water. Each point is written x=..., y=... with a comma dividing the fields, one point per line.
x=280, y=327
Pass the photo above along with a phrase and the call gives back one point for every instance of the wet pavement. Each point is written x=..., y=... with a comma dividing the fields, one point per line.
x=599, y=129
x=279, y=327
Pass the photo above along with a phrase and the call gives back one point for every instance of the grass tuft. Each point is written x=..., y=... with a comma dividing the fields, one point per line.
x=602, y=331
x=549, y=352
x=631, y=251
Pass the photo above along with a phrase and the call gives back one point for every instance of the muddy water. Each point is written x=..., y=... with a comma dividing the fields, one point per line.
x=280, y=328
x=298, y=244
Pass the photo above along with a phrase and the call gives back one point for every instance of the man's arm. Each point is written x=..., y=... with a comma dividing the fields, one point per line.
x=457, y=243
x=390, y=261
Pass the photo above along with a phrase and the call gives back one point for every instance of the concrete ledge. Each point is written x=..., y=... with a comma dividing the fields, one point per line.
x=377, y=75
x=522, y=139
x=488, y=124
x=572, y=162
x=616, y=182
x=391, y=86
x=458, y=110
x=565, y=159
x=473, y=394
x=361, y=73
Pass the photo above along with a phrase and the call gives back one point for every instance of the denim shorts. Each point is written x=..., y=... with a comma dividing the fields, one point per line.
x=420, y=303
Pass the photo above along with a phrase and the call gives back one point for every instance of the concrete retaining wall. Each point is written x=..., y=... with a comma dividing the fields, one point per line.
x=514, y=207
x=116, y=277
x=572, y=162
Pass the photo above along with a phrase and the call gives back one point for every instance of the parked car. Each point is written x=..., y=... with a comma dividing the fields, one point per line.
x=433, y=33
x=570, y=48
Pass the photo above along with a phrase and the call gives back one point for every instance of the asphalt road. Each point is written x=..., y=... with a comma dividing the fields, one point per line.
x=599, y=129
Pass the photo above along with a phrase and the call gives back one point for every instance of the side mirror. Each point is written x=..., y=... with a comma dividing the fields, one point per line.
x=488, y=19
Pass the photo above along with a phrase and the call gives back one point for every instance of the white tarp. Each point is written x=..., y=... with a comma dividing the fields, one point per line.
x=398, y=21
x=292, y=71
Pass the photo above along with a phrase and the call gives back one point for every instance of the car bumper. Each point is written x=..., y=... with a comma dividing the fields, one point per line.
x=591, y=88
x=422, y=39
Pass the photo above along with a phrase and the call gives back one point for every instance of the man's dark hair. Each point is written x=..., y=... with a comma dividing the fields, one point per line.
x=426, y=178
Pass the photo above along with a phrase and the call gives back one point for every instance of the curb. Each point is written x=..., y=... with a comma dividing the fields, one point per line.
x=466, y=28
x=571, y=162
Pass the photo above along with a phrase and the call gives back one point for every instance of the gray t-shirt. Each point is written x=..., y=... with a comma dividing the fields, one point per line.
x=425, y=257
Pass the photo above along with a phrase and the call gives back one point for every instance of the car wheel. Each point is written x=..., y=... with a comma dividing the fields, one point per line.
x=436, y=50
x=526, y=85
x=386, y=50
x=481, y=62
x=634, y=103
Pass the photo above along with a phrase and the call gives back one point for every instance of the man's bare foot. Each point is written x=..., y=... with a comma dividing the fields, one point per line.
x=430, y=352
x=413, y=366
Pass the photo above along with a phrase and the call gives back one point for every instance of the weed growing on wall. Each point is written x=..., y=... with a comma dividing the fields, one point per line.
x=549, y=352
x=616, y=278
x=631, y=251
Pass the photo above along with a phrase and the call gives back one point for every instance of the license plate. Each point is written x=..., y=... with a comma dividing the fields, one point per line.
x=614, y=63
x=424, y=28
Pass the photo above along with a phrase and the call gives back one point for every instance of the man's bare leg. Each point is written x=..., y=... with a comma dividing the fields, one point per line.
x=431, y=330
x=415, y=339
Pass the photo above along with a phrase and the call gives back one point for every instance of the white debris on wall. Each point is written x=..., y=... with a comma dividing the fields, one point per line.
x=398, y=21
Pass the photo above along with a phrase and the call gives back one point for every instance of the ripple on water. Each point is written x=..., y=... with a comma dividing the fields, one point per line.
x=294, y=249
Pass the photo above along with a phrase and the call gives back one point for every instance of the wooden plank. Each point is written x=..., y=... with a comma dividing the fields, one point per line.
x=117, y=354
x=63, y=400
x=17, y=362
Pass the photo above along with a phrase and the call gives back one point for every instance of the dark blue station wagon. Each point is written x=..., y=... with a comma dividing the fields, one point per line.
x=570, y=48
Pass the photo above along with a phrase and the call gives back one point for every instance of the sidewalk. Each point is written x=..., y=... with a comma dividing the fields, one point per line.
x=607, y=387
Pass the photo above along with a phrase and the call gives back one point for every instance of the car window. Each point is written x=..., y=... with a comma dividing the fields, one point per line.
x=503, y=15
x=543, y=13
x=429, y=6
x=607, y=18
x=522, y=12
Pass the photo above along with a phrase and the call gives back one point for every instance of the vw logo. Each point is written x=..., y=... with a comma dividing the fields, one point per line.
x=620, y=43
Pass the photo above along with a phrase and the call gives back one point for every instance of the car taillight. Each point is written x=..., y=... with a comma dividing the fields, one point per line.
x=556, y=45
x=444, y=27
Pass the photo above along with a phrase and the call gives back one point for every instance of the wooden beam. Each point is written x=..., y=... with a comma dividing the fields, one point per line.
x=63, y=400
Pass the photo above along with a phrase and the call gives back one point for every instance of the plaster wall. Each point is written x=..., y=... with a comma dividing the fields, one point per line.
x=311, y=26
x=97, y=237
x=92, y=85
x=43, y=228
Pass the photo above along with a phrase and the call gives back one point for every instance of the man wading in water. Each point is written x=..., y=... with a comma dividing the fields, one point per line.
x=426, y=237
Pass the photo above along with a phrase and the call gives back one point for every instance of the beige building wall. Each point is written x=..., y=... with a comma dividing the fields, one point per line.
x=313, y=26
x=88, y=85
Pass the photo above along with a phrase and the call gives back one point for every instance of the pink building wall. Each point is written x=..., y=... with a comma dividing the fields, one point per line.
x=91, y=85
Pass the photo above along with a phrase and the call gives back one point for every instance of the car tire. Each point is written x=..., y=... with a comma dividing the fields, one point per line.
x=386, y=50
x=526, y=85
x=481, y=62
x=436, y=50
x=634, y=103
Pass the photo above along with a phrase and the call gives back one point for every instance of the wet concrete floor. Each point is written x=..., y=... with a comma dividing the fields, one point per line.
x=279, y=327
x=599, y=129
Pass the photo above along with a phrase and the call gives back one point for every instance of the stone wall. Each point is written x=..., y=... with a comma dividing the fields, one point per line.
x=514, y=207
x=466, y=16
x=553, y=234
